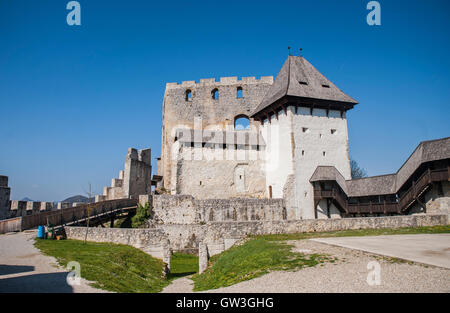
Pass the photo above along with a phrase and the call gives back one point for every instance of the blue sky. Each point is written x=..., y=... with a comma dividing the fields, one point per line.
x=74, y=98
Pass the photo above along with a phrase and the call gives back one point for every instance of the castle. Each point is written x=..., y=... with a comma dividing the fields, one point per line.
x=295, y=147
x=290, y=161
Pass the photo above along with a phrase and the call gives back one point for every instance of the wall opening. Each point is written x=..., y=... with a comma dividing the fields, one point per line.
x=215, y=94
x=188, y=95
x=241, y=122
x=239, y=92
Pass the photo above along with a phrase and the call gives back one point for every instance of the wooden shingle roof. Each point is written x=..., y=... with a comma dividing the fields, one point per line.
x=298, y=78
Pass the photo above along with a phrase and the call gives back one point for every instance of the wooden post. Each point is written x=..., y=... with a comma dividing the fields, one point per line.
x=328, y=208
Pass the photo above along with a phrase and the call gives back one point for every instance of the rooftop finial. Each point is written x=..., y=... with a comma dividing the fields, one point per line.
x=289, y=49
x=301, y=50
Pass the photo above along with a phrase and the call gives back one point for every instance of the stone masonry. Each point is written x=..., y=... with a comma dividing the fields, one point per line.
x=5, y=193
x=134, y=179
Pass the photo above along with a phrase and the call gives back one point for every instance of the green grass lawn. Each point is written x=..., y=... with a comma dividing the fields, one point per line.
x=360, y=232
x=122, y=268
x=112, y=267
x=254, y=258
x=183, y=264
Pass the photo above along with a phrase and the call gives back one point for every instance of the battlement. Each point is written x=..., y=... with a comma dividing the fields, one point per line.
x=223, y=81
x=3, y=181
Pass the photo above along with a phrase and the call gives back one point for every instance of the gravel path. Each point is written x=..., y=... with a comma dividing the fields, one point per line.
x=180, y=285
x=348, y=274
x=23, y=268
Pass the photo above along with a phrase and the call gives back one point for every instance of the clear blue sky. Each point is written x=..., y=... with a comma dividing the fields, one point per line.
x=74, y=98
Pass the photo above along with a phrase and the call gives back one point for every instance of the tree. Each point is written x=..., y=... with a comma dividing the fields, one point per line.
x=357, y=172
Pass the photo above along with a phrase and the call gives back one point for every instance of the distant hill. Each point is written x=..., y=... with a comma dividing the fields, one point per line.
x=78, y=198
x=26, y=199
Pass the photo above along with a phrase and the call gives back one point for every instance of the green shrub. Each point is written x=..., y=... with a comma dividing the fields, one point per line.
x=143, y=213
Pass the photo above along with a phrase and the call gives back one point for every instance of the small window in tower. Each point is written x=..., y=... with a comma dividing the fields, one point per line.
x=333, y=131
x=215, y=94
x=200, y=183
x=239, y=92
x=305, y=129
x=303, y=152
x=188, y=95
x=326, y=86
x=303, y=83
x=323, y=153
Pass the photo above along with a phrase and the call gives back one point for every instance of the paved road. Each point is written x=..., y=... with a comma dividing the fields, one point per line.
x=24, y=269
x=432, y=249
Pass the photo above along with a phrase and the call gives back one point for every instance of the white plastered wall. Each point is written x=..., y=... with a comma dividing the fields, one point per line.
x=277, y=134
x=313, y=137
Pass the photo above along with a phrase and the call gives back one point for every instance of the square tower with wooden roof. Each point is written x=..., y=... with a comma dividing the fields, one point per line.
x=303, y=122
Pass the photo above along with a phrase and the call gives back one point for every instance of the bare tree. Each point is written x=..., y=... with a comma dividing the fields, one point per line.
x=356, y=170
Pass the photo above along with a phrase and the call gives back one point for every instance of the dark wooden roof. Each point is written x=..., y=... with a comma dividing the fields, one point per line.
x=426, y=151
x=299, y=80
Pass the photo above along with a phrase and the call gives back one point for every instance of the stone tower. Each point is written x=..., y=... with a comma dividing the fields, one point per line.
x=303, y=122
x=215, y=105
x=5, y=193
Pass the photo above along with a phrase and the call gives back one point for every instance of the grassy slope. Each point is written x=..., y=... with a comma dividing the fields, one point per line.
x=268, y=253
x=112, y=267
x=361, y=232
x=252, y=259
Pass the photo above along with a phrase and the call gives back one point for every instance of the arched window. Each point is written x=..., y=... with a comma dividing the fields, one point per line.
x=188, y=95
x=241, y=122
x=239, y=92
x=215, y=94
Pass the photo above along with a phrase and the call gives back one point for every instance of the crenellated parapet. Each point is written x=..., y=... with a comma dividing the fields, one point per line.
x=222, y=81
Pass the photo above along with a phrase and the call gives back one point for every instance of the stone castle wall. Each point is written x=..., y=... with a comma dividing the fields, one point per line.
x=151, y=241
x=181, y=209
x=18, y=208
x=235, y=172
x=219, y=236
x=218, y=114
x=5, y=193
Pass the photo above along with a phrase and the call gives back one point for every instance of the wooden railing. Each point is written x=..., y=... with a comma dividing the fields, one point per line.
x=11, y=225
x=63, y=216
x=420, y=185
x=373, y=208
x=407, y=198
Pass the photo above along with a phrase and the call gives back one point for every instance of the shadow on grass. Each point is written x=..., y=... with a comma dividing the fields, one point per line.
x=173, y=276
x=182, y=264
